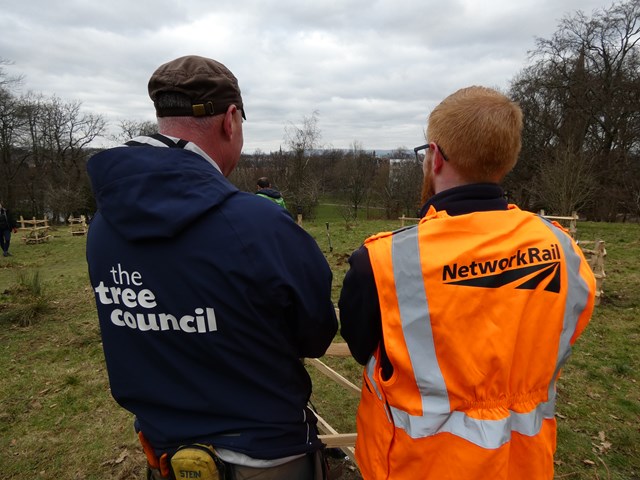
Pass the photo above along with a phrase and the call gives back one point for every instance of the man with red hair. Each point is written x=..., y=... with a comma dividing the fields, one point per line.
x=464, y=320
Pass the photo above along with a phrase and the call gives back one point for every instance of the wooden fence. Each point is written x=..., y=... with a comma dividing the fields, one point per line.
x=37, y=231
x=78, y=225
x=330, y=436
x=595, y=256
x=407, y=219
x=572, y=220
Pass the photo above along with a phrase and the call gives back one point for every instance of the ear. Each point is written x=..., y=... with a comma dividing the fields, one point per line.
x=228, y=122
x=438, y=159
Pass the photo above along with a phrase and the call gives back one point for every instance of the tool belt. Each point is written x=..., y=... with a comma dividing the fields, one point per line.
x=189, y=461
x=201, y=462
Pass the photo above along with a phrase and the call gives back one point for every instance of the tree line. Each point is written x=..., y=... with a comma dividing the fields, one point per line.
x=580, y=95
x=581, y=102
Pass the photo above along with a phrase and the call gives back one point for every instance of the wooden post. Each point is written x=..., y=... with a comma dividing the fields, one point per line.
x=21, y=222
x=300, y=219
x=595, y=258
x=597, y=265
x=402, y=220
x=573, y=225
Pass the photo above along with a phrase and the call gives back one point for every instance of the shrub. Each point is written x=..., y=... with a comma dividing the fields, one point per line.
x=27, y=301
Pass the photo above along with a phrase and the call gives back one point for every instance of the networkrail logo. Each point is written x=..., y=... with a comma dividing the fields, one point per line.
x=525, y=270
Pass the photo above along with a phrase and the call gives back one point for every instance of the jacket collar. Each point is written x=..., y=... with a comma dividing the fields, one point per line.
x=476, y=197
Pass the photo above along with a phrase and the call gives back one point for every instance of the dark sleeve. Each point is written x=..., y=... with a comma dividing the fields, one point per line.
x=312, y=315
x=360, y=321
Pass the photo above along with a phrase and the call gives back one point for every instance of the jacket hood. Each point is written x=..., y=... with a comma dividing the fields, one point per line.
x=149, y=192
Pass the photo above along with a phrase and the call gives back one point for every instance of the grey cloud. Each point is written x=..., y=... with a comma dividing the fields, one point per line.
x=373, y=69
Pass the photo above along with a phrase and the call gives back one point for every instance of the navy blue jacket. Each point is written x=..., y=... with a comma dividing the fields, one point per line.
x=208, y=298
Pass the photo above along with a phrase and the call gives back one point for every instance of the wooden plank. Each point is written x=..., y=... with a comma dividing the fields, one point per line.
x=558, y=218
x=333, y=375
x=340, y=349
x=595, y=258
x=339, y=440
x=324, y=426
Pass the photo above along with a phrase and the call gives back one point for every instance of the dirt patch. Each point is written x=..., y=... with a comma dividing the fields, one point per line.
x=341, y=258
x=341, y=467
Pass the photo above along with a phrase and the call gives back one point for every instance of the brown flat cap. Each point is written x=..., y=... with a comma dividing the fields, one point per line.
x=210, y=86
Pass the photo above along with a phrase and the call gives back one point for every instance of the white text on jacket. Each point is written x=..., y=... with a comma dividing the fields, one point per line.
x=125, y=293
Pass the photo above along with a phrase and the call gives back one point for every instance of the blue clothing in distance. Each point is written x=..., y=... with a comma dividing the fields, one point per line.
x=7, y=223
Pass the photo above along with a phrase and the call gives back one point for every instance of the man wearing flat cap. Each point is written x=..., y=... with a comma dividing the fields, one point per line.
x=207, y=297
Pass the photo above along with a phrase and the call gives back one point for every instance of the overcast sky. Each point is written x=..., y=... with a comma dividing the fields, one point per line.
x=372, y=69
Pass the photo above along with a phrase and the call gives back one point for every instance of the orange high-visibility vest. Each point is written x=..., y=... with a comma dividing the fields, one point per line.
x=479, y=313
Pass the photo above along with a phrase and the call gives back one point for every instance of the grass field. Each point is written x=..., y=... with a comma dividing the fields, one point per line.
x=58, y=420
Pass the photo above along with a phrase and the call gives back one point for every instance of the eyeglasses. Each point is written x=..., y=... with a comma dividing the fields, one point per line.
x=426, y=146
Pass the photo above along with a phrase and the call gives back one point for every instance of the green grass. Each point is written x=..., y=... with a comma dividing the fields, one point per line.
x=58, y=420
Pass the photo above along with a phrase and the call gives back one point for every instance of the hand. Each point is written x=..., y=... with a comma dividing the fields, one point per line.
x=15, y=230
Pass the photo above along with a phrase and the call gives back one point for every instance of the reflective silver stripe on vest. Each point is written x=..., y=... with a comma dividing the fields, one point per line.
x=371, y=368
x=577, y=298
x=416, y=327
x=416, y=322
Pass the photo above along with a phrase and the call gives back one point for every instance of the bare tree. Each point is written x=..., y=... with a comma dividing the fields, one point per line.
x=36, y=180
x=302, y=141
x=358, y=172
x=405, y=183
x=12, y=158
x=567, y=181
x=8, y=82
x=43, y=149
x=13, y=155
x=131, y=128
x=581, y=102
x=382, y=189
x=306, y=137
x=58, y=134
